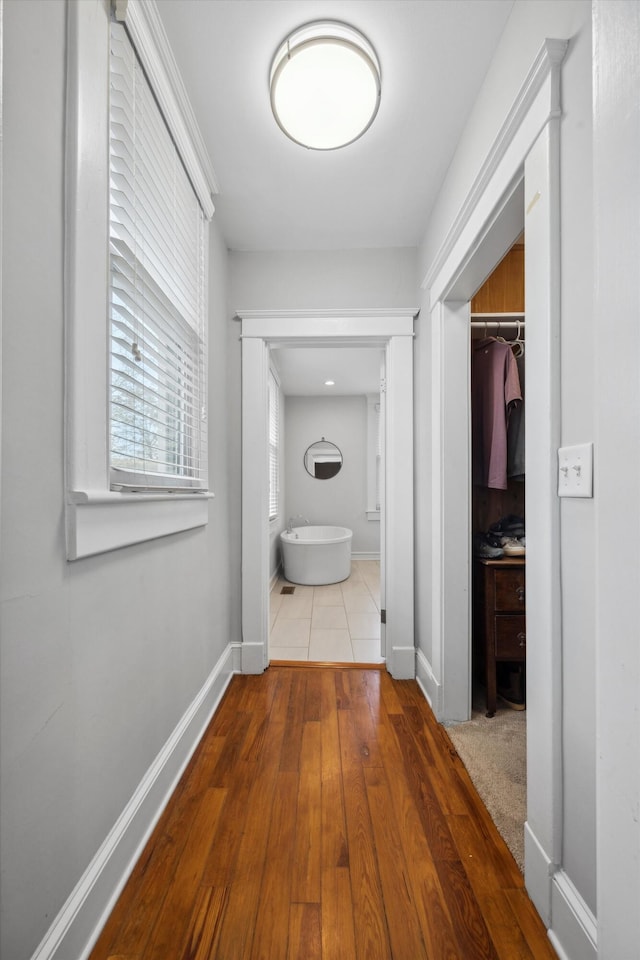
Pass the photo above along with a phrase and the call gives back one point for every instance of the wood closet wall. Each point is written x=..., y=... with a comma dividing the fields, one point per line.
x=502, y=292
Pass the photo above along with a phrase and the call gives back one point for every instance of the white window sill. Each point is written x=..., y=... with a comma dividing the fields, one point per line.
x=373, y=515
x=100, y=521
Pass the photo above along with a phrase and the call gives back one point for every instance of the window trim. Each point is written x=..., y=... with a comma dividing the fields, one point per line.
x=97, y=519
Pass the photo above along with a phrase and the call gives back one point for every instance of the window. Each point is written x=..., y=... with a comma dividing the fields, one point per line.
x=157, y=421
x=139, y=189
x=274, y=446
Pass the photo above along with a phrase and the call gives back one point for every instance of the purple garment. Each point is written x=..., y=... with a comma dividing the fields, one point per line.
x=515, y=432
x=495, y=389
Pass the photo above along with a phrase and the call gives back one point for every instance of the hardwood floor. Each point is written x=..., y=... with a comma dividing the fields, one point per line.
x=325, y=814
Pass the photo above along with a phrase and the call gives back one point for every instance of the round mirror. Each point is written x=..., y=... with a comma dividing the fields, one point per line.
x=322, y=460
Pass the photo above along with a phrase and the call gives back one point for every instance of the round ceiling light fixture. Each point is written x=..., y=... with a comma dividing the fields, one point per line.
x=325, y=85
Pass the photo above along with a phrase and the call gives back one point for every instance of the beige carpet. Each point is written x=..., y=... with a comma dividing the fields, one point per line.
x=494, y=753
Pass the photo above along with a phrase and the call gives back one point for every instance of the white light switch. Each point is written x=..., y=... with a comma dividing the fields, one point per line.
x=575, y=471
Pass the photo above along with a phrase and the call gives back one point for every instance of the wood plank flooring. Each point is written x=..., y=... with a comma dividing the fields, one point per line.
x=325, y=814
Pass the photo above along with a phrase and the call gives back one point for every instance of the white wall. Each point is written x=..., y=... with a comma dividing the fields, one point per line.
x=323, y=279
x=100, y=658
x=342, y=500
x=529, y=24
x=617, y=399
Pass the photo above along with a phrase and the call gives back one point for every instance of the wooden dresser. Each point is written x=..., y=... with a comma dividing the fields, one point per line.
x=500, y=631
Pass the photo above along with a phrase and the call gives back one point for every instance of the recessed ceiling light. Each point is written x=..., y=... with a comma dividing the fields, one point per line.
x=329, y=383
x=325, y=85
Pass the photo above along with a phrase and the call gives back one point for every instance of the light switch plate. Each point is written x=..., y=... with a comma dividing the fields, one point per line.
x=575, y=471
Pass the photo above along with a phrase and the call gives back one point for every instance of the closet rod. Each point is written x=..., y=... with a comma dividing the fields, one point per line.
x=498, y=315
x=499, y=324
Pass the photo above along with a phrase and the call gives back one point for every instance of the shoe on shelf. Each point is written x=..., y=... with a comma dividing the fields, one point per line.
x=513, y=547
x=492, y=539
x=509, y=526
x=483, y=548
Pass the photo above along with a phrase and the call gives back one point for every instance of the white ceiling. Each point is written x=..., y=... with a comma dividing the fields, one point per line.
x=377, y=192
x=303, y=370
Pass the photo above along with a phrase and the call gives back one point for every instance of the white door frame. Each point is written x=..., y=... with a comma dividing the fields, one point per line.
x=392, y=330
x=526, y=151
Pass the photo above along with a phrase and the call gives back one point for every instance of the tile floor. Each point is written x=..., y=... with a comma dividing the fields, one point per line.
x=336, y=623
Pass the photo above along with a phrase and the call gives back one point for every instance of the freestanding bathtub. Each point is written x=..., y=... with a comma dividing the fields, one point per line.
x=316, y=555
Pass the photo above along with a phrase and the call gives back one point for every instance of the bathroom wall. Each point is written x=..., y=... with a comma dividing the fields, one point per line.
x=342, y=500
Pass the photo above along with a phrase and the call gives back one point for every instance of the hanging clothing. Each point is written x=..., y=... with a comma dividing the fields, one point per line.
x=515, y=432
x=495, y=390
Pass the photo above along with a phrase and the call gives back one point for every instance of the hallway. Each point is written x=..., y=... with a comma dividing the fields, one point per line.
x=324, y=814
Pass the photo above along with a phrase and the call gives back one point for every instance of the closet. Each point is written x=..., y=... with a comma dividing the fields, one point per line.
x=498, y=483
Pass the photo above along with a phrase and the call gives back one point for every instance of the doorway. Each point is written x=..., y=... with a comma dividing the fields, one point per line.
x=520, y=181
x=327, y=464
x=392, y=332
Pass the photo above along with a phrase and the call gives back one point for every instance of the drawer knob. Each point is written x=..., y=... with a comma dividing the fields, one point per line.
x=520, y=594
x=522, y=637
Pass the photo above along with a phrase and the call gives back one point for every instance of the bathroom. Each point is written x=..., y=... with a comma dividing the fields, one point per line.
x=325, y=401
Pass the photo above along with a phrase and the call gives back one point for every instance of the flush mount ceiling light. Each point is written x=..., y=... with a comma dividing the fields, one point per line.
x=325, y=85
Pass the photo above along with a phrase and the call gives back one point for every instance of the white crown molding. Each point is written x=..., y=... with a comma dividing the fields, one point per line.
x=547, y=63
x=148, y=35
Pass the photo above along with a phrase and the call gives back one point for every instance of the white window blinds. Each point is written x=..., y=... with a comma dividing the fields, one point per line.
x=158, y=240
x=274, y=446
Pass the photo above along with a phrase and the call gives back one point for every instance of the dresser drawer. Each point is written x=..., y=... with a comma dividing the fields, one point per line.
x=509, y=589
x=511, y=637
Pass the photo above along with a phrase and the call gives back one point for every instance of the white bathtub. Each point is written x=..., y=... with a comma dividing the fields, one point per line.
x=316, y=555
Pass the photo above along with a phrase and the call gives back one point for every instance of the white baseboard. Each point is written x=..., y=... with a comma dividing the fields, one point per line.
x=574, y=932
x=402, y=663
x=236, y=658
x=430, y=686
x=571, y=925
x=355, y=555
x=77, y=926
x=274, y=577
x=538, y=871
x=252, y=655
